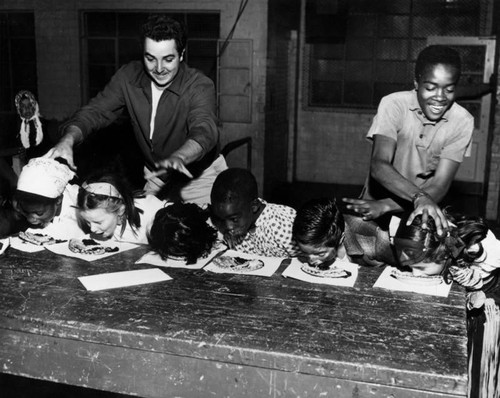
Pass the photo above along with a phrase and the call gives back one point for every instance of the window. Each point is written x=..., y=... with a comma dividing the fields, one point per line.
x=18, y=57
x=360, y=50
x=111, y=39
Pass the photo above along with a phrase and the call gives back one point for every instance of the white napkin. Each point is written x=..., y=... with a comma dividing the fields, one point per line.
x=63, y=249
x=114, y=280
x=294, y=271
x=386, y=281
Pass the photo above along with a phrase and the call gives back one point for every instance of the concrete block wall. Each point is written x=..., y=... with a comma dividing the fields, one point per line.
x=59, y=65
x=332, y=147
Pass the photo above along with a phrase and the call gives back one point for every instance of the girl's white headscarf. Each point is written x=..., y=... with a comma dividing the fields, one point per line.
x=44, y=177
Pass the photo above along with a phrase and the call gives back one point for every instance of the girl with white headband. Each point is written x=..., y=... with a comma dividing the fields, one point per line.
x=107, y=208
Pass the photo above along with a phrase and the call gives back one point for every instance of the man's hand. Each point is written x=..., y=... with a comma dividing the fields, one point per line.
x=424, y=205
x=368, y=209
x=62, y=150
x=173, y=162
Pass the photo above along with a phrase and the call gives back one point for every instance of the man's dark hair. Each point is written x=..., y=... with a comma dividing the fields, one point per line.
x=159, y=27
x=431, y=56
x=233, y=185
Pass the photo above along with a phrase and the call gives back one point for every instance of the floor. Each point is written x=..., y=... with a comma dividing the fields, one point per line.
x=291, y=194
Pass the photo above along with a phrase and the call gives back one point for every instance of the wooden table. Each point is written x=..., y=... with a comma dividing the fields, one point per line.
x=212, y=335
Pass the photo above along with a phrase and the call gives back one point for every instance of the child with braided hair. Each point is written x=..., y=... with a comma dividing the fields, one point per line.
x=180, y=230
x=468, y=254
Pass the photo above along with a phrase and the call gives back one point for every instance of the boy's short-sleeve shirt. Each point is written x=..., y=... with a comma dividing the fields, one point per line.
x=421, y=143
x=272, y=236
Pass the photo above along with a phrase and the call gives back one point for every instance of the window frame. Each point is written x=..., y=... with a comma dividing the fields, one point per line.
x=413, y=43
x=11, y=64
x=86, y=94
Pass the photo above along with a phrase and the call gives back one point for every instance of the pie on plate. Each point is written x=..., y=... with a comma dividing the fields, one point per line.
x=238, y=263
x=332, y=272
x=410, y=279
x=40, y=239
x=89, y=246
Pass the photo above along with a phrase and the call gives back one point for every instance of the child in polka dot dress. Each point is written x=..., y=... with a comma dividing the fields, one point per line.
x=247, y=222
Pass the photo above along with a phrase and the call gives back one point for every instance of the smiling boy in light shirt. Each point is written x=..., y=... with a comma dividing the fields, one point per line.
x=420, y=137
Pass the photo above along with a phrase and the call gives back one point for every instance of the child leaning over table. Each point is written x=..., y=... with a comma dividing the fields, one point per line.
x=247, y=222
x=469, y=254
x=108, y=208
x=181, y=231
x=324, y=234
x=43, y=200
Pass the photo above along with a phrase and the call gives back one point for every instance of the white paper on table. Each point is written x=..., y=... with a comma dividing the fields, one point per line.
x=294, y=271
x=19, y=244
x=114, y=280
x=154, y=258
x=271, y=264
x=4, y=244
x=63, y=249
x=386, y=281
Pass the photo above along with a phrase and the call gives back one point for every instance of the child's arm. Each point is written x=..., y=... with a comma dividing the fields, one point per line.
x=382, y=170
x=467, y=277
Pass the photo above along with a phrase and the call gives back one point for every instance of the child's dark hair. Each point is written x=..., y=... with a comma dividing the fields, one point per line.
x=472, y=230
x=233, y=185
x=159, y=27
x=88, y=200
x=434, y=55
x=181, y=230
x=319, y=222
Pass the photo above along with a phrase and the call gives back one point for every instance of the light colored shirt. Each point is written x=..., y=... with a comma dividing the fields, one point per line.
x=65, y=225
x=272, y=236
x=149, y=205
x=421, y=143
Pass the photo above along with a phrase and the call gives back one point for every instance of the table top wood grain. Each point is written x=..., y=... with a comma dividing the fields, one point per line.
x=223, y=335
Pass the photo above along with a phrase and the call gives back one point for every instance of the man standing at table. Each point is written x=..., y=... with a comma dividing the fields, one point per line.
x=173, y=113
